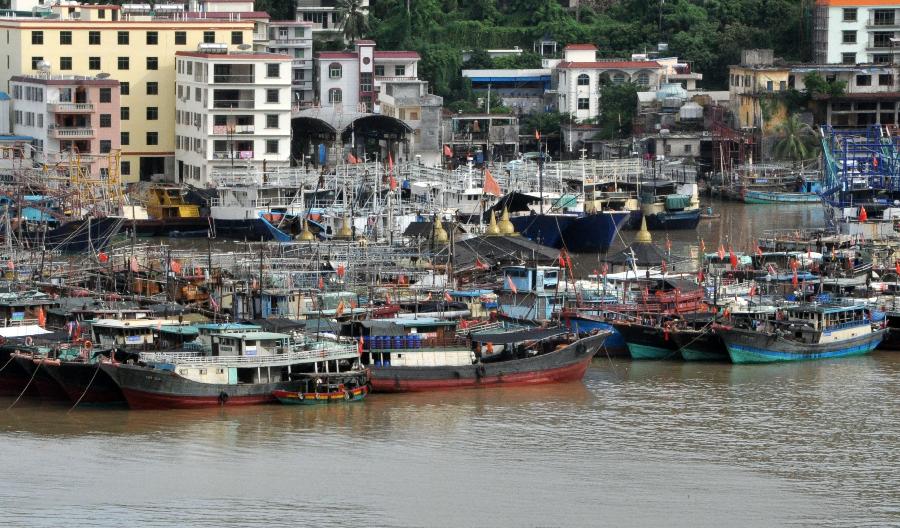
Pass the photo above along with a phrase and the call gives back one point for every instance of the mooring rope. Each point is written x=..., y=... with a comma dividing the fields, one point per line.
x=86, y=389
x=33, y=374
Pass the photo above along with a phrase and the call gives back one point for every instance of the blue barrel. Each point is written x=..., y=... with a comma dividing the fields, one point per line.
x=386, y=363
x=416, y=340
x=377, y=343
x=367, y=343
x=377, y=363
x=399, y=342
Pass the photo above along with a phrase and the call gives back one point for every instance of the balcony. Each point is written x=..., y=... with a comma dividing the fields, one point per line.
x=301, y=63
x=71, y=132
x=237, y=155
x=233, y=78
x=301, y=85
x=234, y=104
x=290, y=41
x=223, y=130
x=71, y=108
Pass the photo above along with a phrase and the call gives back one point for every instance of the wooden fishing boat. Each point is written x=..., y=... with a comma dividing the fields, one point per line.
x=805, y=332
x=648, y=338
x=524, y=357
x=332, y=393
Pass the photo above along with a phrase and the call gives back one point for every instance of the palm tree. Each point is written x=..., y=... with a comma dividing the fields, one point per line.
x=796, y=140
x=354, y=19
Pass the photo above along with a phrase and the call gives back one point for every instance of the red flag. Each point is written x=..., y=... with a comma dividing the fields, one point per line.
x=447, y=151
x=175, y=266
x=733, y=258
x=134, y=265
x=794, y=279
x=702, y=246
x=393, y=183
x=605, y=269
x=771, y=269
x=340, y=271
x=321, y=283
x=387, y=298
x=390, y=163
x=562, y=259
x=663, y=266
x=874, y=162
x=511, y=285
x=794, y=264
x=758, y=251
x=213, y=303
x=359, y=346
x=447, y=297
x=340, y=309
x=352, y=159
x=897, y=267
x=480, y=265
x=863, y=216
x=490, y=184
x=752, y=289
x=700, y=276
x=721, y=252
x=41, y=317
x=103, y=257
x=537, y=134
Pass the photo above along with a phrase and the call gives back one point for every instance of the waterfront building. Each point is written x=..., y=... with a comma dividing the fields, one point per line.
x=855, y=31
x=579, y=76
x=294, y=38
x=138, y=50
x=71, y=119
x=231, y=110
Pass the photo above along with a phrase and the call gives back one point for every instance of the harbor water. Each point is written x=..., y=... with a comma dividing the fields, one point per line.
x=636, y=444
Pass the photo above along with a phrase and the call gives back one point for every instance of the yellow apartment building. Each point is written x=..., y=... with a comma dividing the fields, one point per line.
x=138, y=51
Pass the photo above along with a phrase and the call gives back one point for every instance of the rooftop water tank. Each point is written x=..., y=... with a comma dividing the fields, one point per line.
x=671, y=95
x=690, y=111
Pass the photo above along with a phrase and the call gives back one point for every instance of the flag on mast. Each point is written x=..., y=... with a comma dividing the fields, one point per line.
x=490, y=184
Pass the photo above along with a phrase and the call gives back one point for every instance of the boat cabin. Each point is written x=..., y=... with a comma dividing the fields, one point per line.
x=816, y=324
x=24, y=307
x=167, y=201
x=136, y=334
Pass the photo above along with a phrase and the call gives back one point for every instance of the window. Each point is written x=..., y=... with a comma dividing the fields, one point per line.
x=209, y=37
x=122, y=37
x=94, y=38
x=272, y=70
x=271, y=121
x=125, y=168
x=123, y=63
x=37, y=37
x=770, y=86
x=643, y=79
x=125, y=138
x=883, y=17
x=271, y=146
x=152, y=138
x=180, y=38
x=152, y=63
x=688, y=149
x=863, y=80
x=365, y=82
x=334, y=71
x=850, y=14
x=101, y=13
x=400, y=70
x=65, y=38
x=105, y=146
x=584, y=80
x=272, y=96
x=379, y=70
x=848, y=37
x=152, y=38
x=584, y=103
x=124, y=113
x=125, y=88
x=782, y=85
x=848, y=58
x=105, y=95
x=65, y=63
x=618, y=78
x=105, y=120
x=885, y=79
x=35, y=61
x=882, y=39
x=152, y=88
x=881, y=58
x=152, y=113
x=94, y=63
x=237, y=37
x=334, y=95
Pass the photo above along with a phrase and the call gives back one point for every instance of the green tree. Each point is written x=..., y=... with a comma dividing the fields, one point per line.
x=618, y=106
x=796, y=140
x=354, y=20
x=817, y=86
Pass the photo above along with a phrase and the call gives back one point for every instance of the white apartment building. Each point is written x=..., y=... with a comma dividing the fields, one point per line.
x=232, y=110
x=322, y=14
x=855, y=31
x=294, y=38
x=579, y=76
x=353, y=80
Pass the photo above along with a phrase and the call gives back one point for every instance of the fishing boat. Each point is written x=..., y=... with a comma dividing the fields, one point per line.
x=77, y=372
x=779, y=197
x=321, y=393
x=242, y=369
x=523, y=357
x=696, y=340
x=804, y=332
x=169, y=213
x=648, y=338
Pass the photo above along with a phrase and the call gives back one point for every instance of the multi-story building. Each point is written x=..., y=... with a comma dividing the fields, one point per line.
x=294, y=38
x=353, y=79
x=322, y=14
x=137, y=50
x=69, y=117
x=579, y=75
x=232, y=110
x=855, y=31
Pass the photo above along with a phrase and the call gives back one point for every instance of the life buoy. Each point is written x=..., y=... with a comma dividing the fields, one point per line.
x=28, y=341
x=88, y=345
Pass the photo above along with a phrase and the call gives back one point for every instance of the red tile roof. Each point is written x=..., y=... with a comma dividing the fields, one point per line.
x=611, y=65
x=396, y=55
x=583, y=47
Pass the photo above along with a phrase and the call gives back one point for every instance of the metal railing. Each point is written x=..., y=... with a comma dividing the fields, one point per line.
x=234, y=78
x=179, y=359
x=71, y=107
x=234, y=103
x=237, y=155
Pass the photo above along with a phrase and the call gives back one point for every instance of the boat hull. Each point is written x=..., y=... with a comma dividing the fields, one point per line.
x=79, y=236
x=614, y=345
x=248, y=229
x=320, y=398
x=594, y=231
x=673, y=220
x=85, y=381
x=647, y=342
x=42, y=385
x=747, y=346
x=565, y=365
x=696, y=345
x=545, y=229
x=149, y=388
x=175, y=226
x=773, y=197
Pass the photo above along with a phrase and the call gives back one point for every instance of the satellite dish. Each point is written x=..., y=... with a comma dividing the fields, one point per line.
x=44, y=66
x=244, y=47
x=103, y=75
